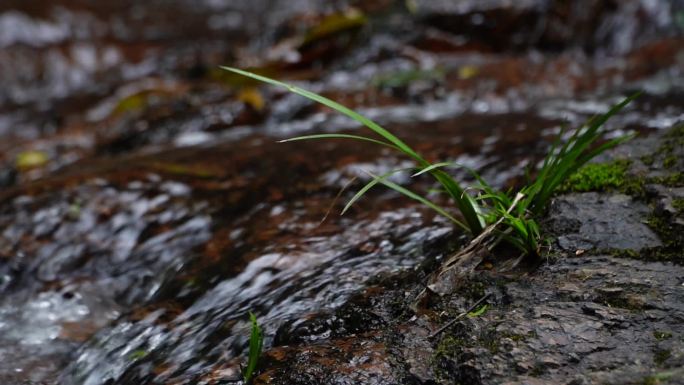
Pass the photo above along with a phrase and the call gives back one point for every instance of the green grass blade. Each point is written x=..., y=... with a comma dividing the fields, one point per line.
x=501, y=198
x=418, y=198
x=481, y=310
x=337, y=107
x=340, y=136
x=433, y=167
x=587, y=138
x=600, y=149
x=256, y=344
x=601, y=119
x=440, y=165
x=436, y=191
x=368, y=186
x=572, y=155
x=467, y=205
x=464, y=203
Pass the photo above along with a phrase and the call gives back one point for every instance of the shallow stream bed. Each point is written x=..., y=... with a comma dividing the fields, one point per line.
x=146, y=205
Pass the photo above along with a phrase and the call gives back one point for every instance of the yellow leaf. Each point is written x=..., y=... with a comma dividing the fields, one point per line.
x=131, y=103
x=467, y=72
x=252, y=97
x=336, y=23
x=31, y=159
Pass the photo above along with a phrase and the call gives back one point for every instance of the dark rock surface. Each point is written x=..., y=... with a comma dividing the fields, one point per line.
x=580, y=318
x=603, y=221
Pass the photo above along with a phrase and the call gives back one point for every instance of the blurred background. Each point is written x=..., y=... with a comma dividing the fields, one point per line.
x=145, y=205
x=84, y=78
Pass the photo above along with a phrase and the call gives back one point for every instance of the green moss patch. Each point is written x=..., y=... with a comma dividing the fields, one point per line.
x=660, y=356
x=648, y=160
x=598, y=177
x=671, y=150
x=661, y=335
x=678, y=205
x=676, y=179
x=450, y=347
x=674, y=139
x=672, y=235
x=669, y=232
x=614, y=176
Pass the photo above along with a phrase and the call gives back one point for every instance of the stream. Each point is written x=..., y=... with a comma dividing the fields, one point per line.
x=146, y=205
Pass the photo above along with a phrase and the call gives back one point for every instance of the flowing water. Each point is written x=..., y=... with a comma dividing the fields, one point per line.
x=146, y=205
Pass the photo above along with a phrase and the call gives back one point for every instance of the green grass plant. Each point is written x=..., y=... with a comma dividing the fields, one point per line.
x=256, y=344
x=514, y=214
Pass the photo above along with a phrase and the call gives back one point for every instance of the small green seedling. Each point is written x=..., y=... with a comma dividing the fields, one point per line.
x=256, y=343
x=481, y=310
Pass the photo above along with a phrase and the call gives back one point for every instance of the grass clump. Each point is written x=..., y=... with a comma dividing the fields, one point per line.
x=490, y=213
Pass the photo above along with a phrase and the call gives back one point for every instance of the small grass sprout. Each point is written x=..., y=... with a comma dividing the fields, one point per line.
x=479, y=311
x=510, y=216
x=256, y=344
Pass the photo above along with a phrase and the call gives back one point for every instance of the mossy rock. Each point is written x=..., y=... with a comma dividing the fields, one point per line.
x=598, y=177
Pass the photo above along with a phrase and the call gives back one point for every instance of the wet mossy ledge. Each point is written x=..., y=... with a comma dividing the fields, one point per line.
x=559, y=322
x=670, y=233
x=611, y=176
x=631, y=175
x=655, y=178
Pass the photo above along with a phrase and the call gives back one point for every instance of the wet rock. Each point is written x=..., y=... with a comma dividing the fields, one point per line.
x=8, y=176
x=346, y=361
x=167, y=210
x=578, y=319
x=587, y=335
x=669, y=201
x=548, y=25
x=606, y=222
x=354, y=316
